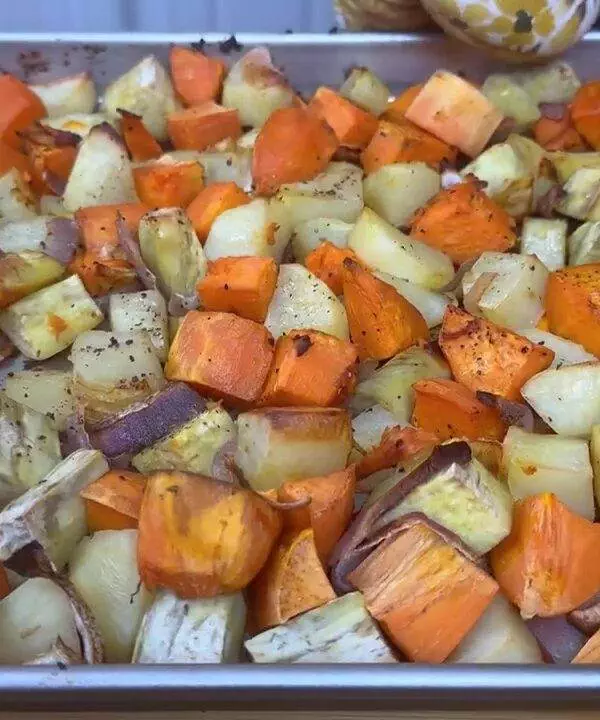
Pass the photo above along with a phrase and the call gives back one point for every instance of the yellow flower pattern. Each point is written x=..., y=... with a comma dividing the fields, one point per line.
x=518, y=27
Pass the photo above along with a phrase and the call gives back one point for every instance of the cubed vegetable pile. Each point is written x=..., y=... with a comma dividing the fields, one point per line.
x=294, y=379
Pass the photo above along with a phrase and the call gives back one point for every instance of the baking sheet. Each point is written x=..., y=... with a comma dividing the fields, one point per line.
x=308, y=60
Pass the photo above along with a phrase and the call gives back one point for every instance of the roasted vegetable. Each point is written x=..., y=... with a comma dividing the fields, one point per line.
x=168, y=184
x=310, y=368
x=212, y=201
x=33, y=617
x=16, y=199
x=507, y=289
x=56, y=237
x=392, y=384
x=46, y=391
x=567, y=398
x=20, y=108
x=196, y=76
x=222, y=355
x=534, y=464
x=101, y=173
x=221, y=551
x=565, y=351
x=146, y=310
x=172, y=252
x=455, y=111
x=23, y=273
x=546, y=566
x=302, y=301
x=341, y=631
x=365, y=89
x=411, y=580
x=397, y=190
x=511, y=99
x=384, y=248
x=353, y=126
x=293, y=564
x=430, y=304
x=113, y=501
x=582, y=245
x=248, y=229
x=203, y=126
x=484, y=356
x=51, y=513
x=145, y=90
x=369, y=426
x=103, y=570
x=463, y=222
x=113, y=370
x=256, y=88
x=191, y=631
x=279, y=444
x=571, y=305
x=382, y=322
x=43, y=324
x=242, y=285
x=336, y=192
x=499, y=636
x=191, y=447
x=547, y=239
x=308, y=235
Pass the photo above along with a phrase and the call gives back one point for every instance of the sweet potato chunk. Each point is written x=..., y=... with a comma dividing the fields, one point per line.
x=20, y=107
x=211, y=202
x=352, y=126
x=589, y=653
x=423, y=592
x=396, y=110
x=140, y=142
x=327, y=262
x=585, y=112
x=168, y=185
x=330, y=509
x=573, y=305
x=382, y=322
x=200, y=537
x=196, y=76
x=113, y=501
x=397, y=445
x=463, y=222
x=98, y=226
x=241, y=285
x=292, y=582
x=558, y=134
x=201, y=126
x=293, y=145
x=311, y=368
x=222, y=355
x=403, y=142
x=485, y=356
x=455, y=111
x=450, y=410
x=51, y=157
x=548, y=564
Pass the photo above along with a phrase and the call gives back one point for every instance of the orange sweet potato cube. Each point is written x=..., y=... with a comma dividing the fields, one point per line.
x=200, y=126
x=222, y=355
x=424, y=593
x=210, y=202
x=310, y=368
x=353, y=126
x=241, y=285
x=113, y=501
x=161, y=185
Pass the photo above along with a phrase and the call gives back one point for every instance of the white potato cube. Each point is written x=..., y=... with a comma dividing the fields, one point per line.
x=47, y=391
x=71, y=94
x=146, y=310
x=565, y=351
x=369, y=426
x=432, y=305
x=547, y=239
x=363, y=88
x=308, y=235
x=511, y=99
x=16, y=200
x=584, y=244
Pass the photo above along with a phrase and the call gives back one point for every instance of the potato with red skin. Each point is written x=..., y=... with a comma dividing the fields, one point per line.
x=200, y=537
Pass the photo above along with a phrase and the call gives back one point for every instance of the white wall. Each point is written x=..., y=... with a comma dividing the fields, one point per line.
x=166, y=15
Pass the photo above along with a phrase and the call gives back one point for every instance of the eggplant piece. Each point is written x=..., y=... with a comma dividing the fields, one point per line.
x=113, y=370
x=587, y=617
x=47, y=322
x=559, y=641
x=33, y=619
x=29, y=448
x=102, y=172
x=191, y=447
x=209, y=630
x=52, y=513
x=499, y=636
x=465, y=498
x=56, y=237
x=104, y=572
x=142, y=424
x=342, y=631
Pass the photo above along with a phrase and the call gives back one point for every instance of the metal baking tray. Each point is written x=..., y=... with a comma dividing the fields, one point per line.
x=308, y=60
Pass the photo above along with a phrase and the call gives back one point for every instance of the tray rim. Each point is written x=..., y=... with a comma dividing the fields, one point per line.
x=297, y=687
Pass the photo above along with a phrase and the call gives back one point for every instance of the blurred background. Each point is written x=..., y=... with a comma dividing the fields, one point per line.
x=166, y=15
